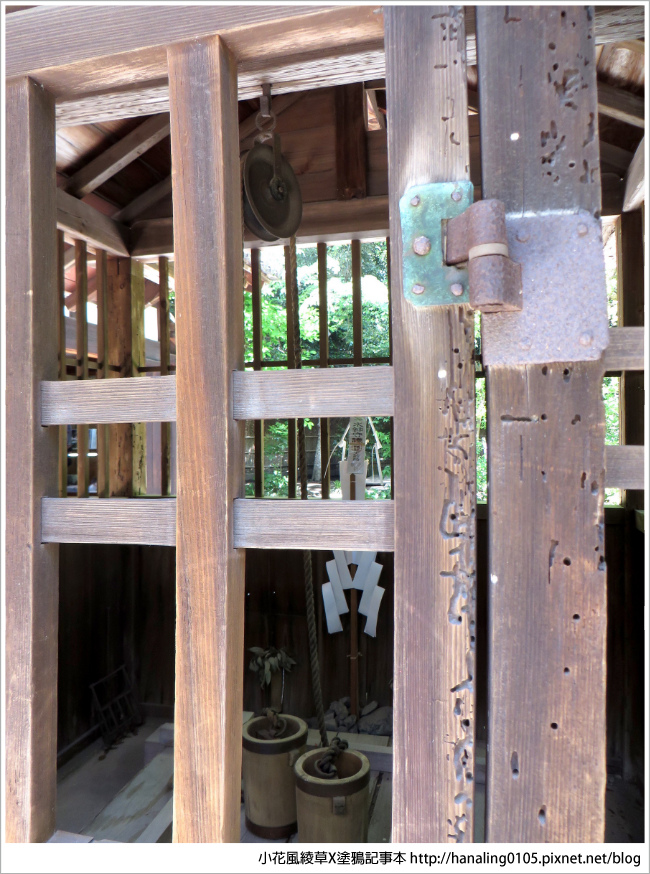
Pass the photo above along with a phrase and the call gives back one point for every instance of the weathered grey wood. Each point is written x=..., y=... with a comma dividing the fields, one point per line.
x=164, y=339
x=621, y=105
x=626, y=349
x=118, y=156
x=120, y=367
x=84, y=222
x=273, y=524
x=434, y=450
x=109, y=401
x=366, y=391
x=635, y=180
x=625, y=468
x=256, y=306
x=81, y=285
x=63, y=370
x=138, y=428
x=547, y=590
x=31, y=569
x=148, y=198
x=103, y=446
x=210, y=443
x=146, y=521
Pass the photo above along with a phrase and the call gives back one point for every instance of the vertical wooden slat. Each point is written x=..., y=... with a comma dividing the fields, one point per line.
x=323, y=349
x=292, y=457
x=351, y=161
x=81, y=282
x=631, y=250
x=31, y=568
x=210, y=572
x=118, y=293
x=256, y=295
x=102, y=370
x=163, y=336
x=547, y=591
x=139, y=432
x=357, y=313
x=63, y=429
x=390, y=356
x=433, y=760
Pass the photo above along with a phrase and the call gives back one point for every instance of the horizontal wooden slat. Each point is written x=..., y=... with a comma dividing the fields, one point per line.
x=293, y=394
x=281, y=524
x=625, y=350
x=105, y=401
x=624, y=467
x=145, y=521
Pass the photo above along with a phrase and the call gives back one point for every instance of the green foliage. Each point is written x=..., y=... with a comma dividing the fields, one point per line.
x=267, y=662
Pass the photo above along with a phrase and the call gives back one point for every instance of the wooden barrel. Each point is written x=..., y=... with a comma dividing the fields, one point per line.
x=269, y=782
x=333, y=811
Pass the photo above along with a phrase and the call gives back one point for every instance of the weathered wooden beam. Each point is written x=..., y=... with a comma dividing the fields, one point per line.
x=31, y=568
x=625, y=467
x=163, y=337
x=256, y=306
x=635, y=180
x=144, y=521
x=118, y=156
x=434, y=465
x=109, y=401
x=103, y=450
x=626, y=349
x=210, y=571
x=120, y=435
x=143, y=201
x=323, y=348
x=621, y=105
x=139, y=429
x=350, y=141
x=63, y=370
x=547, y=590
x=81, y=285
x=292, y=446
x=84, y=222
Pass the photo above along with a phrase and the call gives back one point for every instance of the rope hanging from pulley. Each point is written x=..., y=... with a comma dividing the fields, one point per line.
x=272, y=200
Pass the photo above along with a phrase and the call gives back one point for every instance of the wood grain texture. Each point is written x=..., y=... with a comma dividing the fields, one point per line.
x=163, y=336
x=81, y=319
x=31, y=569
x=256, y=306
x=626, y=349
x=62, y=370
x=118, y=156
x=323, y=349
x=350, y=141
x=547, y=590
x=109, y=401
x=279, y=394
x=84, y=222
x=210, y=444
x=138, y=428
x=280, y=524
x=434, y=451
x=635, y=180
x=103, y=457
x=625, y=468
x=621, y=105
x=145, y=521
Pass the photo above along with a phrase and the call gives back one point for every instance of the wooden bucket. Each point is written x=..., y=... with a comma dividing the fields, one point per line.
x=333, y=811
x=269, y=782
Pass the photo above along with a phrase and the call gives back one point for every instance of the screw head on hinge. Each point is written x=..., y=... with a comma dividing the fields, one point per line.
x=418, y=289
x=422, y=245
x=415, y=201
x=456, y=289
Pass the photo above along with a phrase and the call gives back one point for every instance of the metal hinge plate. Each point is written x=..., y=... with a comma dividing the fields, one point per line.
x=564, y=315
x=427, y=279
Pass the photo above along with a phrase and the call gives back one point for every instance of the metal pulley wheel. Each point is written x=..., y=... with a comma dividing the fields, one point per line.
x=272, y=198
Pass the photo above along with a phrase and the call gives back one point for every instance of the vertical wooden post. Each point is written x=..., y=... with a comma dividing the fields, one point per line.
x=210, y=572
x=163, y=338
x=102, y=370
x=349, y=101
x=357, y=354
x=631, y=249
x=31, y=567
x=81, y=282
x=547, y=595
x=120, y=437
x=63, y=372
x=292, y=457
x=139, y=432
x=256, y=295
x=323, y=348
x=428, y=141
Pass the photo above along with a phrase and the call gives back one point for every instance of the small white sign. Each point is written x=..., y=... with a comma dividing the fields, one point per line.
x=373, y=610
x=331, y=613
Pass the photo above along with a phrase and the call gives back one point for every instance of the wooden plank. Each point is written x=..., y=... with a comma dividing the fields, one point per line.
x=210, y=572
x=160, y=827
x=31, y=569
x=63, y=431
x=357, y=312
x=635, y=180
x=626, y=349
x=285, y=394
x=292, y=454
x=118, y=156
x=144, y=521
x=81, y=284
x=84, y=222
x=547, y=590
x=109, y=401
x=323, y=349
x=118, y=291
x=256, y=301
x=163, y=337
x=103, y=460
x=138, y=428
x=279, y=524
x=621, y=105
x=434, y=461
x=350, y=141
x=143, y=201
x=625, y=467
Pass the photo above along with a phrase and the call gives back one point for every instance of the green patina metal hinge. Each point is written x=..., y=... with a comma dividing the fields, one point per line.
x=428, y=280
